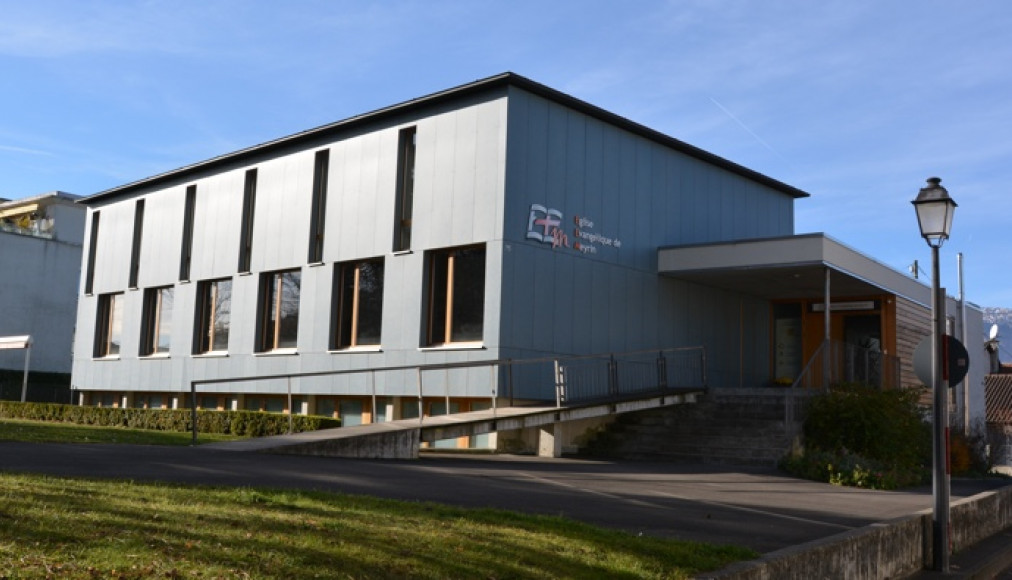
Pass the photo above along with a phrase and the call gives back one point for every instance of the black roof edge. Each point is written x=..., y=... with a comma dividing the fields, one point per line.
x=502, y=80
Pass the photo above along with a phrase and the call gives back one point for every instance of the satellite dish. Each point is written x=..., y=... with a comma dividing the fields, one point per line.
x=994, y=332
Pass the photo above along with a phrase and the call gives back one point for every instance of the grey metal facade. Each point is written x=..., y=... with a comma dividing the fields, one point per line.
x=491, y=158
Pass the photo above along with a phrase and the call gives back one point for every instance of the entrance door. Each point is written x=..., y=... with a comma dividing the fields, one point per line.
x=862, y=335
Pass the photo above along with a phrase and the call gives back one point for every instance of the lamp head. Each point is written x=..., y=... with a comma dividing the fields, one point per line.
x=934, y=212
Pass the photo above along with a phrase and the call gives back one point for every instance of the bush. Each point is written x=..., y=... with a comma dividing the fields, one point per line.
x=863, y=436
x=244, y=423
x=968, y=453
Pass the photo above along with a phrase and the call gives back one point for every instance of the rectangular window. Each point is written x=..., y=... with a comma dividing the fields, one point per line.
x=456, y=295
x=135, y=249
x=358, y=308
x=109, y=325
x=214, y=316
x=405, y=189
x=186, y=253
x=279, y=310
x=246, y=230
x=156, y=328
x=89, y=277
x=319, y=214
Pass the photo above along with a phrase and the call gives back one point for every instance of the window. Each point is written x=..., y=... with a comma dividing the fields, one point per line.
x=246, y=229
x=156, y=330
x=109, y=325
x=135, y=249
x=279, y=310
x=405, y=189
x=358, y=308
x=186, y=253
x=456, y=295
x=214, y=314
x=319, y=214
x=149, y=402
x=89, y=279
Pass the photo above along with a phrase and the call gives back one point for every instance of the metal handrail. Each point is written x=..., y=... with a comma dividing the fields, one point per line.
x=563, y=387
x=837, y=365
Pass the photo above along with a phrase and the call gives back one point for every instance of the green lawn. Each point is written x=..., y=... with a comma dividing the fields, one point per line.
x=79, y=528
x=73, y=528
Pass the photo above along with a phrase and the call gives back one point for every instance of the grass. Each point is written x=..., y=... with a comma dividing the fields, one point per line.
x=83, y=528
x=42, y=432
x=75, y=528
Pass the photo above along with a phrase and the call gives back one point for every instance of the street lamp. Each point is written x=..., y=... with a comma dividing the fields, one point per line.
x=934, y=216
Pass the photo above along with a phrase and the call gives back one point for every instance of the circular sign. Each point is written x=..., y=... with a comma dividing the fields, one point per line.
x=955, y=367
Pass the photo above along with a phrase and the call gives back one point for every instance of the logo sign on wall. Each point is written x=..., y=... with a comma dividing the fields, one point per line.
x=546, y=224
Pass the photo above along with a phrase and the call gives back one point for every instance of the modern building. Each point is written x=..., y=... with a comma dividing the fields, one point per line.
x=40, y=264
x=499, y=220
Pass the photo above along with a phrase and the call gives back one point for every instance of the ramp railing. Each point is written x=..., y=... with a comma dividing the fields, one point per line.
x=576, y=379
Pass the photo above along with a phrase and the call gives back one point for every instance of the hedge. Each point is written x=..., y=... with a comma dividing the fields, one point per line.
x=243, y=423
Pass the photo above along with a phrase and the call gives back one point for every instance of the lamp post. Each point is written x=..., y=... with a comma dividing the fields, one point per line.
x=934, y=216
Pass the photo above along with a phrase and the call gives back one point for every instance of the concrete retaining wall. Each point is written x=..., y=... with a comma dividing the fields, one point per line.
x=892, y=549
x=395, y=444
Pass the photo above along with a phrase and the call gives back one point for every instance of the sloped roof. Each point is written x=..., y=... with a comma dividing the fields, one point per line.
x=499, y=82
x=998, y=398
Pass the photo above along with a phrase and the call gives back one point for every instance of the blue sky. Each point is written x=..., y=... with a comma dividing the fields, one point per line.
x=856, y=102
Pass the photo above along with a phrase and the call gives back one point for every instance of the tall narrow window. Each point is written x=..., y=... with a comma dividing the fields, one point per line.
x=135, y=249
x=109, y=325
x=358, y=308
x=279, y=310
x=186, y=253
x=156, y=328
x=246, y=232
x=405, y=189
x=456, y=310
x=89, y=276
x=214, y=316
x=319, y=213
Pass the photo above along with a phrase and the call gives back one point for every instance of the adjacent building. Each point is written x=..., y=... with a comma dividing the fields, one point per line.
x=497, y=220
x=40, y=265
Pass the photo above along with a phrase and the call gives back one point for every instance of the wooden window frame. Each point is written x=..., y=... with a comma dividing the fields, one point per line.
x=406, y=152
x=341, y=303
x=246, y=226
x=135, y=247
x=89, y=277
x=105, y=320
x=318, y=216
x=154, y=316
x=207, y=311
x=186, y=251
x=446, y=284
x=272, y=296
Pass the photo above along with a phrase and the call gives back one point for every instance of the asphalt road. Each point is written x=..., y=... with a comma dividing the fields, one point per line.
x=759, y=508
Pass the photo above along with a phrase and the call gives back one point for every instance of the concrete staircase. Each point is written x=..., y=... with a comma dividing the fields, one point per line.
x=727, y=426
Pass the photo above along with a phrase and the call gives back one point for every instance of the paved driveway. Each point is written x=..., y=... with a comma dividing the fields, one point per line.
x=758, y=508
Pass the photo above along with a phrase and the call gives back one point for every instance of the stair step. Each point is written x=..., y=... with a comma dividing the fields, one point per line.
x=730, y=429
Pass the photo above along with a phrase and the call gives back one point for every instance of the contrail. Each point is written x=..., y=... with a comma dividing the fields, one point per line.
x=744, y=126
x=24, y=150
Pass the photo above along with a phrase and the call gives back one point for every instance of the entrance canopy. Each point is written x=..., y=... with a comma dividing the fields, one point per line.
x=788, y=268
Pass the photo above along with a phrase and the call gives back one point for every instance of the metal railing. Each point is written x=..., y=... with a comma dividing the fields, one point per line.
x=833, y=363
x=838, y=362
x=576, y=379
x=593, y=378
x=37, y=228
